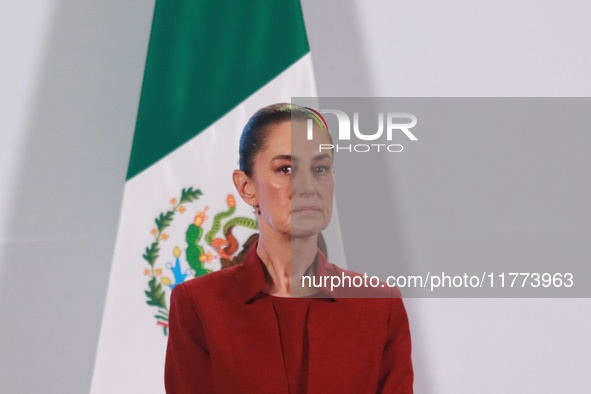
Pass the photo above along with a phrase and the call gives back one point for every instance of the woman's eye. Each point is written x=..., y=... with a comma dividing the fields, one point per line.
x=321, y=169
x=285, y=170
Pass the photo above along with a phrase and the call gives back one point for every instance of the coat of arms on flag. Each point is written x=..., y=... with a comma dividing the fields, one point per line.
x=194, y=255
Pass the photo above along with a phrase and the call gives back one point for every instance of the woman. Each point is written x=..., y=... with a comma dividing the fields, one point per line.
x=253, y=328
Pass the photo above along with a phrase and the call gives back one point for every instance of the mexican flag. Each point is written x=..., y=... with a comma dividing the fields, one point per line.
x=210, y=66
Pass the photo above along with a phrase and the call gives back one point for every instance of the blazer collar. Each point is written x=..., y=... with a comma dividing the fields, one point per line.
x=252, y=277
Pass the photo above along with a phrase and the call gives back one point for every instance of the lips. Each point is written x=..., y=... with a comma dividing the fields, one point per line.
x=307, y=208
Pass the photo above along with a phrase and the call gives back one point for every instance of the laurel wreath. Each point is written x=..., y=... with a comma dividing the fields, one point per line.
x=155, y=294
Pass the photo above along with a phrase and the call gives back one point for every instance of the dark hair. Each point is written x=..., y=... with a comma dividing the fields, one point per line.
x=254, y=134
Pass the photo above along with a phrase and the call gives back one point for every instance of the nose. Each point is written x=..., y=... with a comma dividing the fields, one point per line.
x=303, y=183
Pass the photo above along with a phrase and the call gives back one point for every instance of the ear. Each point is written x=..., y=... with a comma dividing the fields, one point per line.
x=244, y=187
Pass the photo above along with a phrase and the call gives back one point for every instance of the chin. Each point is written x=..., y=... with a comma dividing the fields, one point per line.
x=303, y=235
x=306, y=231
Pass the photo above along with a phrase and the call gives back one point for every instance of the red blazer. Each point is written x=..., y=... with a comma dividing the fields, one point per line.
x=223, y=339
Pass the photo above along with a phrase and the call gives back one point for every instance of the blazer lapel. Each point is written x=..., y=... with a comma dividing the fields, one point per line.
x=256, y=344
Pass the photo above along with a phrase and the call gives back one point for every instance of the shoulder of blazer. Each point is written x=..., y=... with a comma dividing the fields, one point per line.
x=217, y=285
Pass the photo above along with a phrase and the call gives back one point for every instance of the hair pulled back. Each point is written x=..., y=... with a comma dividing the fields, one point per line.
x=255, y=133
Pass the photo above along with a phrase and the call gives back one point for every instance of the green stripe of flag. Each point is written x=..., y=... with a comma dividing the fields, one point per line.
x=204, y=58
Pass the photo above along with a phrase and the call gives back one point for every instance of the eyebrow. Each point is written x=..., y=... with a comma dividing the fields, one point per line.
x=283, y=157
x=320, y=156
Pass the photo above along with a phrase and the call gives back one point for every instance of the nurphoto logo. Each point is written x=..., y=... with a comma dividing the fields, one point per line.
x=395, y=123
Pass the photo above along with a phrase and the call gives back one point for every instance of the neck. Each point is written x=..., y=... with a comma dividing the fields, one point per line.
x=286, y=260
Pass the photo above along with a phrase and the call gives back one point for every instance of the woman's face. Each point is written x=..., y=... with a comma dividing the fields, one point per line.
x=293, y=181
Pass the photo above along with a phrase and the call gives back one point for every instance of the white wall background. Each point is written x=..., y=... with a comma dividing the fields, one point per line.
x=69, y=86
